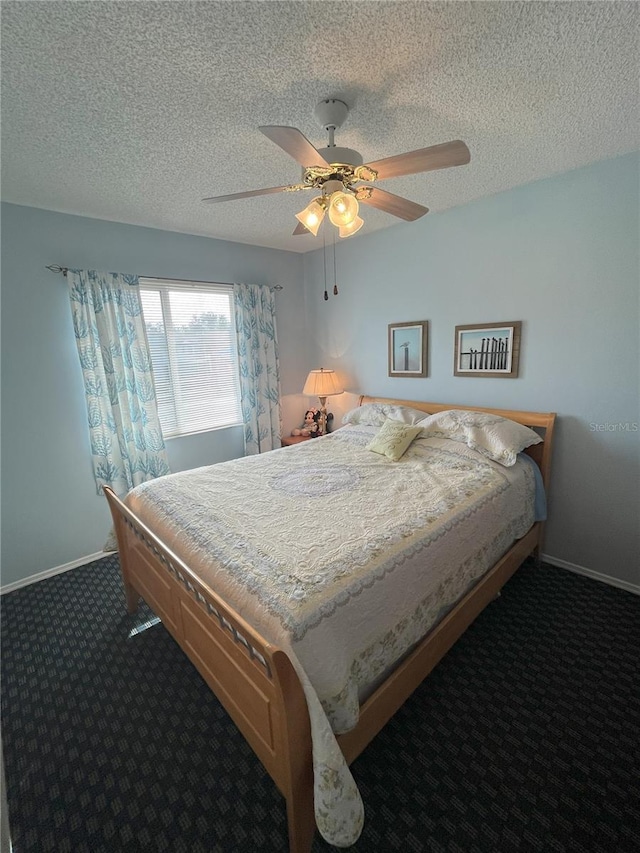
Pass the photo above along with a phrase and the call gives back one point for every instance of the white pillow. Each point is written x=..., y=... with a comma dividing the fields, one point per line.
x=495, y=437
x=375, y=414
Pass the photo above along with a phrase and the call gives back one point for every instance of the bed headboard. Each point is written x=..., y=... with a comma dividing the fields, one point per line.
x=541, y=422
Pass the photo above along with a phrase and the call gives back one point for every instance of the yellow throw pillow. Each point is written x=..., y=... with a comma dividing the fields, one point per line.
x=393, y=439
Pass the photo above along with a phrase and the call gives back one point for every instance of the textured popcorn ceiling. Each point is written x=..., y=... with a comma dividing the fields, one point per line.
x=135, y=111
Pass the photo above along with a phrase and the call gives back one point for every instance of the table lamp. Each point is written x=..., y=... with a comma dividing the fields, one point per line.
x=322, y=383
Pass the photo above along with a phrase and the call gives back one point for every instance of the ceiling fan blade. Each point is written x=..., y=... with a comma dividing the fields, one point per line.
x=295, y=143
x=300, y=229
x=441, y=156
x=394, y=204
x=249, y=194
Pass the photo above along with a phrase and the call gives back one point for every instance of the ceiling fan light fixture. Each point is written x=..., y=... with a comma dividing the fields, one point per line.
x=343, y=209
x=311, y=217
x=334, y=171
x=350, y=229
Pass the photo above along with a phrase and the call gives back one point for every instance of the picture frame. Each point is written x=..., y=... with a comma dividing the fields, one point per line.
x=491, y=350
x=408, y=349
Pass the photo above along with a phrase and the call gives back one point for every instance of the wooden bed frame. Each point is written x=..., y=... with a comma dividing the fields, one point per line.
x=255, y=681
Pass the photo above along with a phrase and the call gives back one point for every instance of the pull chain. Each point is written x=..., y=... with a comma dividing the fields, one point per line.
x=324, y=259
x=335, y=275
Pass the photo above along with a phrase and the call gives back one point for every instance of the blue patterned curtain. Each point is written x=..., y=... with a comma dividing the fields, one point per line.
x=258, y=361
x=127, y=446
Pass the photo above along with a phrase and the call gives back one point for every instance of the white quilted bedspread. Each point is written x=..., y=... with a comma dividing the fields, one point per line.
x=344, y=559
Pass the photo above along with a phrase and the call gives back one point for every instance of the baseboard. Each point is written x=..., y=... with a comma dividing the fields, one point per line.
x=49, y=573
x=589, y=573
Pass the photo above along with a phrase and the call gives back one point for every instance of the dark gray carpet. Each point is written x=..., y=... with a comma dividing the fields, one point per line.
x=525, y=738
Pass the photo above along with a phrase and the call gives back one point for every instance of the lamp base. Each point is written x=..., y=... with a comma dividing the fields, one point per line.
x=322, y=423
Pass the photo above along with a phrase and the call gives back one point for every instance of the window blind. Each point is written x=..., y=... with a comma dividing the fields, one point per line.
x=192, y=342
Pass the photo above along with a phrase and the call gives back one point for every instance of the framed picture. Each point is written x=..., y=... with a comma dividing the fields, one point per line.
x=408, y=349
x=488, y=349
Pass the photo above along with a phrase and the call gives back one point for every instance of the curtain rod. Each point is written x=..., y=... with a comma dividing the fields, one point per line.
x=64, y=270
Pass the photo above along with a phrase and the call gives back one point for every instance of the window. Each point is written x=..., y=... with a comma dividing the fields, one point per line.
x=192, y=341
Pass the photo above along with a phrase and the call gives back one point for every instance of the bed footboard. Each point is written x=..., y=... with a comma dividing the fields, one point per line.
x=254, y=680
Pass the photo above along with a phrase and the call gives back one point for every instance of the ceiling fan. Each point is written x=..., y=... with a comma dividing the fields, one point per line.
x=343, y=180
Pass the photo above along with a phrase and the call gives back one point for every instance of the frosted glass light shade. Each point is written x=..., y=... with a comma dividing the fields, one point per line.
x=311, y=217
x=322, y=383
x=343, y=208
x=348, y=230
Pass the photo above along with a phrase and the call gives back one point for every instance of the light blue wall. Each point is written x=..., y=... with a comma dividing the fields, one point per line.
x=51, y=514
x=562, y=256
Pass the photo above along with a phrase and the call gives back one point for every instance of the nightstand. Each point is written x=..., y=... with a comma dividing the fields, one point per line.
x=288, y=440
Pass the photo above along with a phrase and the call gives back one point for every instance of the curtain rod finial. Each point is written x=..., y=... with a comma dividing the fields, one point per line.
x=57, y=268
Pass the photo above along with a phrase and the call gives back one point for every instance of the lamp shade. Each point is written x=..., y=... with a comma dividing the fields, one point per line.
x=348, y=230
x=343, y=209
x=322, y=383
x=312, y=216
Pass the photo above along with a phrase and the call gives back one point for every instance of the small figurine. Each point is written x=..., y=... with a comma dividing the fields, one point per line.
x=310, y=425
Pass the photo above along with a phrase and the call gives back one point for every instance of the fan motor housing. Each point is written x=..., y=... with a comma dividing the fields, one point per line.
x=334, y=154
